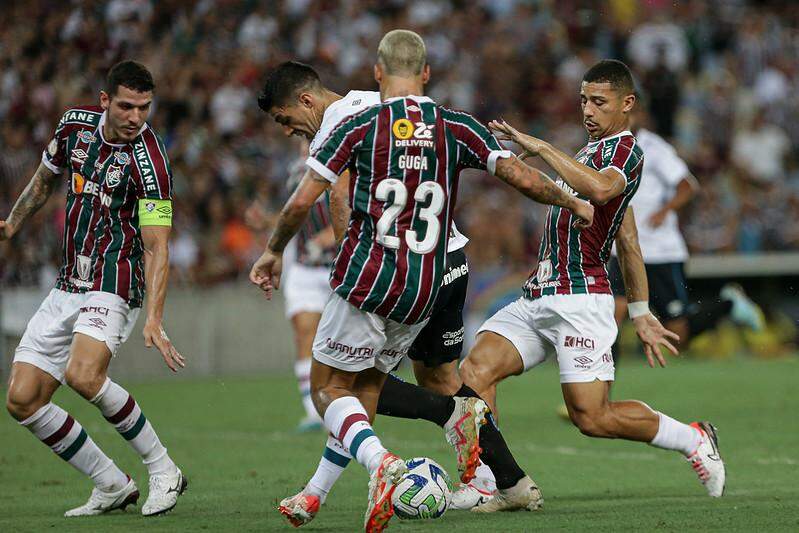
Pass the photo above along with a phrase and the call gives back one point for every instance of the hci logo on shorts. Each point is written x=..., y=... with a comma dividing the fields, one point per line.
x=579, y=342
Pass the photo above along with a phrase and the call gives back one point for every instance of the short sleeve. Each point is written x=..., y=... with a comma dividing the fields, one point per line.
x=333, y=153
x=54, y=155
x=478, y=147
x=152, y=165
x=623, y=155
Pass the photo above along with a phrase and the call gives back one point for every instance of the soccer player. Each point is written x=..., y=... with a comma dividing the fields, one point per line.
x=405, y=156
x=567, y=306
x=118, y=213
x=438, y=346
x=666, y=186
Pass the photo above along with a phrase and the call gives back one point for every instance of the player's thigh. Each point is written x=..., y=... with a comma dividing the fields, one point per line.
x=586, y=399
x=492, y=359
x=443, y=379
x=305, y=324
x=29, y=389
x=48, y=335
x=88, y=365
x=582, y=329
x=367, y=387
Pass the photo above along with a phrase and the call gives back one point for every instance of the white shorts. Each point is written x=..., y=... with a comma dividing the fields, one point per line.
x=353, y=340
x=579, y=328
x=306, y=289
x=48, y=337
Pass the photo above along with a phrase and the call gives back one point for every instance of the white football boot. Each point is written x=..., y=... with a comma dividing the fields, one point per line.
x=469, y=495
x=744, y=311
x=102, y=502
x=706, y=460
x=300, y=508
x=462, y=431
x=523, y=496
x=164, y=491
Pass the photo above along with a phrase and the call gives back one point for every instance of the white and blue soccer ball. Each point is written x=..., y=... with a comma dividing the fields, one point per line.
x=424, y=492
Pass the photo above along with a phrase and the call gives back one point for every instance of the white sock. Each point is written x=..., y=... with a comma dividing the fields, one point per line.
x=347, y=420
x=122, y=411
x=674, y=435
x=302, y=369
x=332, y=464
x=484, y=478
x=58, y=430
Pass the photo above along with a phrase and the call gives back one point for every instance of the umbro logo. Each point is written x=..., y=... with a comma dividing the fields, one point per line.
x=97, y=322
x=583, y=360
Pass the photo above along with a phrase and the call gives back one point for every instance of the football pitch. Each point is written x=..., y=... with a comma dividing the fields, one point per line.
x=234, y=440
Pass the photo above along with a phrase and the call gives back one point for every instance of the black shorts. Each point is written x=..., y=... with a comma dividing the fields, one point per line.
x=441, y=340
x=668, y=291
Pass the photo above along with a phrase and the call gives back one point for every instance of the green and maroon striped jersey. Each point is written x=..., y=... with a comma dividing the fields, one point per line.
x=73, y=152
x=572, y=261
x=318, y=220
x=128, y=172
x=404, y=157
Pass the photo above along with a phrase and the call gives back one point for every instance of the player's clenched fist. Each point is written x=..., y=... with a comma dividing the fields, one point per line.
x=584, y=212
x=266, y=272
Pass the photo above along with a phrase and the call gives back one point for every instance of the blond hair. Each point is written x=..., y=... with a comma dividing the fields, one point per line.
x=402, y=53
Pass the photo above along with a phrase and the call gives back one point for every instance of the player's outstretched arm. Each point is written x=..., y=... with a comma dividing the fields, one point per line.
x=649, y=329
x=156, y=273
x=267, y=269
x=536, y=185
x=34, y=196
x=599, y=187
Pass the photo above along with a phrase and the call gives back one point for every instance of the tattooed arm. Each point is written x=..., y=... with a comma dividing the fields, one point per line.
x=34, y=196
x=267, y=269
x=537, y=186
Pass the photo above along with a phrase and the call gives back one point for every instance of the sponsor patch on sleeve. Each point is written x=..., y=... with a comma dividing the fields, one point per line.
x=154, y=212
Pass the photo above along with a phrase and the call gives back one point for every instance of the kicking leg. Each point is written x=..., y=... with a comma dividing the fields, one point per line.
x=28, y=401
x=596, y=416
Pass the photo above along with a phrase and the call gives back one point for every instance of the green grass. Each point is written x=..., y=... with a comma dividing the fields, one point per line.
x=234, y=440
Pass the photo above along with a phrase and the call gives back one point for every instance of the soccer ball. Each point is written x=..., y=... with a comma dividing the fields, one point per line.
x=424, y=492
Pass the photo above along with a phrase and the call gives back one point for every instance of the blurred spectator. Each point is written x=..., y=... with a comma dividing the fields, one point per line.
x=705, y=64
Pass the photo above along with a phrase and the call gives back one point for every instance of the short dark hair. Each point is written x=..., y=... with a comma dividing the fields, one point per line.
x=130, y=74
x=614, y=72
x=285, y=81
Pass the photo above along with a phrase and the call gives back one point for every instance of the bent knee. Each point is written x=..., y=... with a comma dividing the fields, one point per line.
x=592, y=423
x=21, y=405
x=85, y=382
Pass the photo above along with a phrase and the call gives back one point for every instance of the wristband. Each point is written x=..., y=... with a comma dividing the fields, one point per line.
x=636, y=309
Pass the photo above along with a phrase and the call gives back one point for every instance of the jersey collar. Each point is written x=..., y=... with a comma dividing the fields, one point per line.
x=620, y=134
x=419, y=99
x=100, y=129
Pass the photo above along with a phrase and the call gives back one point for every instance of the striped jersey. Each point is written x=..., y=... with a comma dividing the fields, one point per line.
x=572, y=261
x=73, y=152
x=318, y=220
x=133, y=171
x=404, y=157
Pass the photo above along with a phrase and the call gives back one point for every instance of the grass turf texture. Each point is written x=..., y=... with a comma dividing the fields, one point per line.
x=234, y=440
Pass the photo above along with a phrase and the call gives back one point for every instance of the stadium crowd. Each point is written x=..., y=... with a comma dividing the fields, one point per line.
x=721, y=79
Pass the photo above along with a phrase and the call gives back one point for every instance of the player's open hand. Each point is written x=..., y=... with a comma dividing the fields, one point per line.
x=658, y=217
x=506, y=132
x=652, y=334
x=266, y=272
x=584, y=213
x=6, y=230
x=154, y=334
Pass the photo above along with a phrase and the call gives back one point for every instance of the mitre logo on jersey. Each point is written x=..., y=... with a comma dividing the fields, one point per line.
x=113, y=176
x=410, y=135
